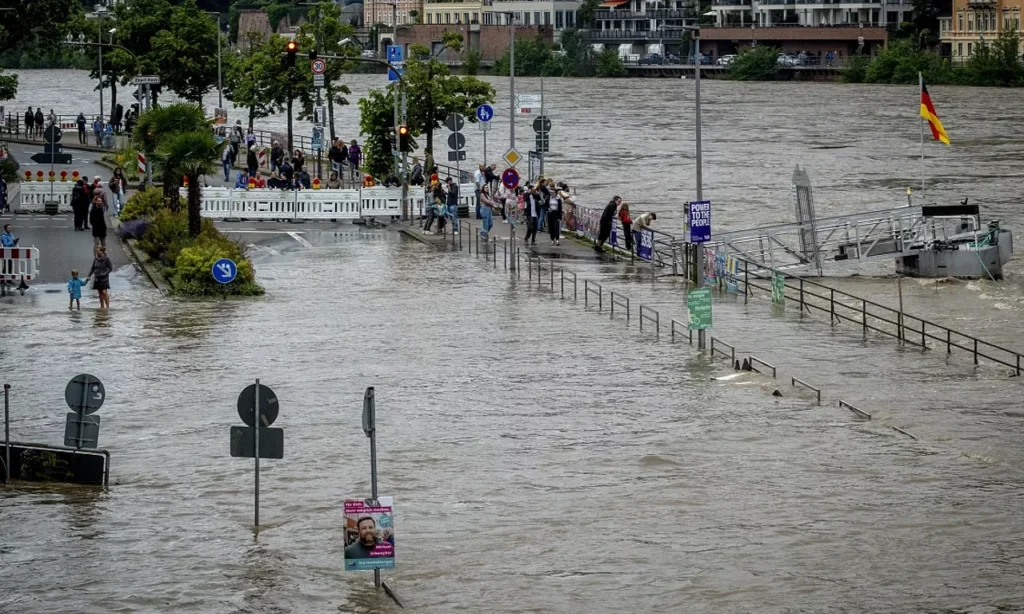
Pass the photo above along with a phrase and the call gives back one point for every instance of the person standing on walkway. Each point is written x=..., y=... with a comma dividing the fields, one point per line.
x=298, y=161
x=276, y=156
x=542, y=193
x=96, y=189
x=416, y=174
x=225, y=161
x=250, y=138
x=98, y=221
x=75, y=290
x=97, y=129
x=479, y=182
x=607, y=219
x=30, y=121
x=5, y=206
x=100, y=274
x=555, y=216
x=118, y=191
x=80, y=204
x=627, y=224
x=81, y=129
x=355, y=159
x=641, y=223
x=452, y=200
x=486, y=212
x=532, y=203
x=287, y=175
x=39, y=121
x=251, y=161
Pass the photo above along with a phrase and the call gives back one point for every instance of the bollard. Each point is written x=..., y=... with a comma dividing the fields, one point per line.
x=975, y=351
x=864, y=316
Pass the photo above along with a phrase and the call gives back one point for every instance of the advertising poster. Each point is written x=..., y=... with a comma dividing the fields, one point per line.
x=778, y=288
x=700, y=221
x=369, y=534
x=645, y=250
x=698, y=306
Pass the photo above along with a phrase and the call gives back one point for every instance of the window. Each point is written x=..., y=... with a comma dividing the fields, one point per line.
x=968, y=48
x=547, y=18
x=465, y=18
x=959, y=49
x=970, y=23
x=476, y=17
x=447, y=17
x=559, y=19
x=960, y=22
x=536, y=17
x=570, y=19
x=526, y=18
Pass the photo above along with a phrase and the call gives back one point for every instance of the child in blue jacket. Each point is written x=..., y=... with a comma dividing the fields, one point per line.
x=75, y=289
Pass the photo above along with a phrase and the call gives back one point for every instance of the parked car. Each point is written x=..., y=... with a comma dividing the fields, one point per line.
x=726, y=60
x=652, y=59
x=704, y=59
x=785, y=61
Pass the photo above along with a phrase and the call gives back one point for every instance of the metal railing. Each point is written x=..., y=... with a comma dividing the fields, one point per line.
x=620, y=300
x=563, y=273
x=856, y=410
x=675, y=323
x=796, y=381
x=869, y=315
x=732, y=350
x=754, y=361
x=645, y=312
x=587, y=291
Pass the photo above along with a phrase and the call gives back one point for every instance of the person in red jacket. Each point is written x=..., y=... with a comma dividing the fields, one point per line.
x=627, y=223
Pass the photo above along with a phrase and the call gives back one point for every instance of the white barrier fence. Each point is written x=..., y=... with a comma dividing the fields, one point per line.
x=19, y=263
x=31, y=196
x=256, y=204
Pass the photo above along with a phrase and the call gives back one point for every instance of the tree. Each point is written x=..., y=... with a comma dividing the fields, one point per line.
x=609, y=64
x=256, y=80
x=577, y=55
x=756, y=64
x=190, y=155
x=376, y=123
x=323, y=32
x=159, y=124
x=8, y=86
x=433, y=92
x=586, y=14
x=185, y=52
x=39, y=21
x=534, y=58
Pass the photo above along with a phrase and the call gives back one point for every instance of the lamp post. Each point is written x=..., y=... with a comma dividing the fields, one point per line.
x=700, y=172
x=100, y=11
x=220, y=82
x=510, y=18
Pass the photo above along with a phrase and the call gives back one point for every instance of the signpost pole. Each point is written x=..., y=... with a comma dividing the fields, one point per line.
x=700, y=186
x=81, y=412
x=405, y=168
x=542, y=118
x=257, y=455
x=7, y=433
x=370, y=428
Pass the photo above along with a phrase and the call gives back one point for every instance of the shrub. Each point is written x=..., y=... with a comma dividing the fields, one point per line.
x=193, y=273
x=126, y=159
x=144, y=204
x=757, y=64
x=133, y=229
x=166, y=235
x=609, y=64
x=857, y=68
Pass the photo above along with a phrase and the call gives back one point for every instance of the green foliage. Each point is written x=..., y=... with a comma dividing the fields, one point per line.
x=577, y=58
x=144, y=204
x=8, y=86
x=159, y=123
x=585, y=15
x=856, y=69
x=534, y=58
x=40, y=22
x=324, y=32
x=995, y=65
x=192, y=272
x=756, y=64
x=125, y=159
x=376, y=121
x=166, y=235
x=9, y=171
x=609, y=64
x=185, y=52
x=471, y=59
x=901, y=62
x=191, y=155
x=256, y=80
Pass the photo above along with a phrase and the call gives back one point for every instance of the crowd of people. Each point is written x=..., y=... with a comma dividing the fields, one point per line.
x=35, y=123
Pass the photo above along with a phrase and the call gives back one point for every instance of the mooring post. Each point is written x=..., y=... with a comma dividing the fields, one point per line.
x=949, y=343
x=832, y=306
x=975, y=351
x=801, y=297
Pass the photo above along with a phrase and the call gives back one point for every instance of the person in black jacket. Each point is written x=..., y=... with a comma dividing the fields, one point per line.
x=252, y=162
x=607, y=219
x=99, y=223
x=80, y=204
x=81, y=129
x=532, y=207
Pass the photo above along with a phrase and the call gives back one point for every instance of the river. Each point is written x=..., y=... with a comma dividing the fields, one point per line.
x=541, y=458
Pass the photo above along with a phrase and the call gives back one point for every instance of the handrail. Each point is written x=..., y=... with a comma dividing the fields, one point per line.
x=672, y=326
x=794, y=381
x=754, y=359
x=574, y=295
x=656, y=319
x=586, y=294
x=731, y=355
x=859, y=412
x=617, y=299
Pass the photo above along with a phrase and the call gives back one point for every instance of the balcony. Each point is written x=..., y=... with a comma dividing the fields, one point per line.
x=731, y=3
x=981, y=2
x=649, y=14
x=633, y=35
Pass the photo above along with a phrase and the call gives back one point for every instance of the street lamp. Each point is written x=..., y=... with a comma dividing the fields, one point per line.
x=220, y=84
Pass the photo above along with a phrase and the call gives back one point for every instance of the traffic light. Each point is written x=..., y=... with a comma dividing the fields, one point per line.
x=403, y=138
x=393, y=140
x=291, y=48
x=312, y=55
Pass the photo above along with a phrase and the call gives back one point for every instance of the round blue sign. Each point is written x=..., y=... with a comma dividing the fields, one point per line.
x=485, y=112
x=224, y=271
x=510, y=178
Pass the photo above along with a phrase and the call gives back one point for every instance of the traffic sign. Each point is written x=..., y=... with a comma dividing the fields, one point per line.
x=542, y=143
x=456, y=141
x=243, y=442
x=395, y=76
x=484, y=126
x=318, y=80
x=510, y=178
x=455, y=122
x=224, y=271
x=396, y=54
x=247, y=405
x=84, y=393
x=55, y=158
x=89, y=426
x=318, y=139
x=512, y=157
x=528, y=100
x=319, y=115
x=456, y=156
x=53, y=134
x=318, y=66
x=484, y=113
x=645, y=248
x=542, y=125
x=146, y=80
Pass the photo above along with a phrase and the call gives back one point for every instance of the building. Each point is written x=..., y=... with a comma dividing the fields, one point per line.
x=816, y=43
x=559, y=14
x=640, y=27
x=768, y=13
x=977, y=23
x=490, y=41
x=407, y=12
x=445, y=12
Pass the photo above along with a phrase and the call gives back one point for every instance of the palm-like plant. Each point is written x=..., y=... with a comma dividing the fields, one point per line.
x=161, y=123
x=190, y=155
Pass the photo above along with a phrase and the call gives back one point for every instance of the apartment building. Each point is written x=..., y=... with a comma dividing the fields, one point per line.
x=819, y=13
x=976, y=23
x=407, y=12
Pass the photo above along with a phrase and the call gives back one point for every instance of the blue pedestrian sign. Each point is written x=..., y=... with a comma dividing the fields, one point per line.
x=700, y=221
x=485, y=112
x=224, y=271
x=393, y=76
x=396, y=54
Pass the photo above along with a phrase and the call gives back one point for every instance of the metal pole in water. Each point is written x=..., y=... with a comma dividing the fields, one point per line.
x=700, y=178
x=257, y=455
x=81, y=413
x=6, y=433
x=373, y=480
x=899, y=320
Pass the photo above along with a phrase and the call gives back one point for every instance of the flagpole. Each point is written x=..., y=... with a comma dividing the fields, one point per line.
x=920, y=97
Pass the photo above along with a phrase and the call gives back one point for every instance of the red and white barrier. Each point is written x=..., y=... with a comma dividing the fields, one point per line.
x=142, y=164
x=261, y=155
x=19, y=263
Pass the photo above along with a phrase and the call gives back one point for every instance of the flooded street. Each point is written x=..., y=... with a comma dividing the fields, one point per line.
x=544, y=458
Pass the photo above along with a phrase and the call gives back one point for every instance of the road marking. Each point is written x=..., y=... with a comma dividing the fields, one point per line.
x=300, y=240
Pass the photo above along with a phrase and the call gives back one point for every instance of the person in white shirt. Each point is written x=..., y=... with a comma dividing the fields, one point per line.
x=479, y=181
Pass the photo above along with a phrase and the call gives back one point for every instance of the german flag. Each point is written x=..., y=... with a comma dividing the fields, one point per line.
x=928, y=112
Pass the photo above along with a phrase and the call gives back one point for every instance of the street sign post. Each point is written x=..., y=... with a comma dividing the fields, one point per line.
x=542, y=124
x=527, y=103
x=224, y=271
x=257, y=407
x=510, y=178
x=700, y=221
x=485, y=113
x=85, y=395
x=317, y=140
x=698, y=307
x=318, y=80
x=318, y=66
x=146, y=80
x=456, y=140
x=396, y=57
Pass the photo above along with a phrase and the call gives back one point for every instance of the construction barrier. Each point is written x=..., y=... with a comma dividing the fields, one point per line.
x=262, y=157
x=320, y=204
x=19, y=264
x=33, y=196
x=141, y=158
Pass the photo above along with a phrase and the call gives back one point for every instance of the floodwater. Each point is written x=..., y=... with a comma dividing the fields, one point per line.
x=542, y=458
